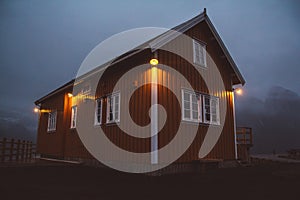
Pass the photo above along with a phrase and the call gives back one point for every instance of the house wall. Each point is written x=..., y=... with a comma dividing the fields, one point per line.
x=65, y=142
x=225, y=147
x=52, y=143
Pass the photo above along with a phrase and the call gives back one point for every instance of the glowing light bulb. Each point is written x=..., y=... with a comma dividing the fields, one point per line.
x=154, y=61
x=239, y=91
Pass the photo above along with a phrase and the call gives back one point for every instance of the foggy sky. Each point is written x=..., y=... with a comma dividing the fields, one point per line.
x=42, y=43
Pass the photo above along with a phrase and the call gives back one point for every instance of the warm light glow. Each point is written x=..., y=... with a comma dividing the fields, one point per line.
x=45, y=111
x=70, y=95
x=154, y=61
x=154, y=75
x=36, y=110
x=239, y=91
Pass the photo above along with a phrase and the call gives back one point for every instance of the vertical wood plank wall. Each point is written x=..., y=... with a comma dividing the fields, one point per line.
x=64, y=142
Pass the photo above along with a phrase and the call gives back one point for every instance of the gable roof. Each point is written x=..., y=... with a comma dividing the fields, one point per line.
x=163, y=39
x=170, y=35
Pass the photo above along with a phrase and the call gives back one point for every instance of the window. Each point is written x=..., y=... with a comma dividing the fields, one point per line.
x=73, y=116
x=195, y=104
x=191, y=106
x=199, y=53
x=98, y=112
x=113, y=108
x=52, y=121
x=211, y=110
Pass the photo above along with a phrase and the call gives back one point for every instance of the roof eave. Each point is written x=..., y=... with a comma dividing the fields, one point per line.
x=63, y=87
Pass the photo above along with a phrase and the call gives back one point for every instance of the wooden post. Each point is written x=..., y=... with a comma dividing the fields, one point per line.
x=22, y=149
x=11, y=151
x=3, y=149
x=18, y=150
x=251, y=139
x=244, y=142
x=26, y=150
x=30, y=150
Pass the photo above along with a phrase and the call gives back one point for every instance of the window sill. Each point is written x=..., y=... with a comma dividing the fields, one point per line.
x=112, y=123
x=51, y=131
x=199, y=123
x=190, y=121
x=200, y=66
x=211, y=124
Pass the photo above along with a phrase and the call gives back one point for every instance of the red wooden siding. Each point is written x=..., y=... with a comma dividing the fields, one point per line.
x=65, y=142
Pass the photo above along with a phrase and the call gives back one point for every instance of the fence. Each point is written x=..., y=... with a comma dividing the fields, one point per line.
x=16, y=150
x=244, y=136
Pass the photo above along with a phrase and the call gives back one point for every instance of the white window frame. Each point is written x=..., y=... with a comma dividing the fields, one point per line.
x=199, y=108
x=114, y=111
x=73, y=116
x=199, y=50
x=98, y=111
x=52, y=118
x=215, y=110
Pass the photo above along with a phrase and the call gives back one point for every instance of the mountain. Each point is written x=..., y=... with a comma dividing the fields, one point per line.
x=18, y=125
x=275, y=121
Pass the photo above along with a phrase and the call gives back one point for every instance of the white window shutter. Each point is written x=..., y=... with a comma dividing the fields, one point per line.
x=218, y=111
x=199, y=108
x=108, y=109
x=199, y=53
x=196, y=46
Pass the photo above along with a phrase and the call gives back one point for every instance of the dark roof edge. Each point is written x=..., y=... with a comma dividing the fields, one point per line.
x=68, y=84
x=176, y=31
x=225, y=50
x=170, y=35
x=167, y=37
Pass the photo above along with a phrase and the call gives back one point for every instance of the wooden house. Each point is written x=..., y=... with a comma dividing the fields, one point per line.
x=57, y=128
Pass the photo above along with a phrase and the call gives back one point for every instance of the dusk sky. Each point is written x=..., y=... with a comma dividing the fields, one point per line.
x=44, y=42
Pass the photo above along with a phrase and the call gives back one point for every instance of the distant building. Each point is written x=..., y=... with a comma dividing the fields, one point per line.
x=57, y=134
